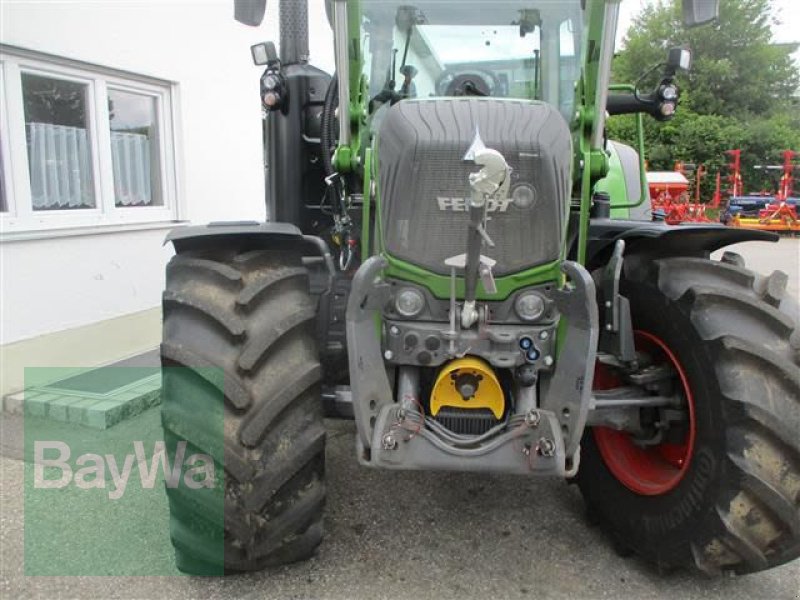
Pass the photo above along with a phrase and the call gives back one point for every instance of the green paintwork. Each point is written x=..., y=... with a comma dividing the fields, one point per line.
x=611, y=183
x=614, y=185
x=591, y=164
x=348, y=159
x=343, y=158
x=439, y=285
x=367, y=201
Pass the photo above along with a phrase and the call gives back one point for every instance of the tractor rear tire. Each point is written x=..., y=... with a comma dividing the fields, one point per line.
x=735, y=506
x=242, y=374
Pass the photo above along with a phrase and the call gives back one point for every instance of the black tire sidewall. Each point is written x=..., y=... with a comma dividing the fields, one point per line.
x=662, y=528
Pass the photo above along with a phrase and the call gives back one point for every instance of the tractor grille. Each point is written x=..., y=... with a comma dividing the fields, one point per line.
x=424, y=181
x=466, y=421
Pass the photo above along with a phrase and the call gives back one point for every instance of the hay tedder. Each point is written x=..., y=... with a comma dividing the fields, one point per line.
x=452, y=256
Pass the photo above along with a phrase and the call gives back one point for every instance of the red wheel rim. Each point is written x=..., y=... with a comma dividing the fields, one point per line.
x=650, y=470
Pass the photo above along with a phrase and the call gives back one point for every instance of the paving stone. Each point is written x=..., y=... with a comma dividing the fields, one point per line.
x=14, y=403
x=77, y=411
x=38, y=405
x=98, y=413
x=58, y=407
x=124, y=397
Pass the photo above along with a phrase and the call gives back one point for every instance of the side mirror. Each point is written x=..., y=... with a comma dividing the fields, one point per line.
x=700, y=12
x=529, y=20
x=249, y=12
x=407, y=17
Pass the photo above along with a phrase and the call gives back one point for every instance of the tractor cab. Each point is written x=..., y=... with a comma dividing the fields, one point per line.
x=523, y=49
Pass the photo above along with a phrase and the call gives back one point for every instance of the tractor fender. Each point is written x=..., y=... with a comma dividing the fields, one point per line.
x=649, y=241
x=250, y=234
x=324, y=282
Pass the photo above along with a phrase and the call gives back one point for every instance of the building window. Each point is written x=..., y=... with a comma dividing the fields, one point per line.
x=83, y=146
x=3, y=204
x=134, y=149
x=5, y=169
x=57, y=132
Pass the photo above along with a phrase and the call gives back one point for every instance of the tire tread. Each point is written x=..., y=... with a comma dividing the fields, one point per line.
x=239, y=314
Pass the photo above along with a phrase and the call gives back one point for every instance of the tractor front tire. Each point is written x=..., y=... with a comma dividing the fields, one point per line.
x=242, y=374
x=731, y=500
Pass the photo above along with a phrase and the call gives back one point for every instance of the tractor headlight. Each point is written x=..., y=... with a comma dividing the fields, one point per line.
x=271, y=99
x=409, y=302
x=272, y=89
x=668, y=109
x=270, y=82
x=529, y=306
x=669, y=93
x=523, y=196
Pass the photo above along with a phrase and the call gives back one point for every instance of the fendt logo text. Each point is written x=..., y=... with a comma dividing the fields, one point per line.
x=461, y=204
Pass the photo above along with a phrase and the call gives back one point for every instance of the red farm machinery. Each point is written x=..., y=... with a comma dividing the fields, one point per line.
x=763, y=211
x=676, y=196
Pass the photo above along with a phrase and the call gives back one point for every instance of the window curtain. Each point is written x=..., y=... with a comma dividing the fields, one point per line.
x=61, y=167
x=130, y=153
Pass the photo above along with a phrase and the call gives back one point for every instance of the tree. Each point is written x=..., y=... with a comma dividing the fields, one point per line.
x=54, y=101
x=740, y=93
x=737, y=70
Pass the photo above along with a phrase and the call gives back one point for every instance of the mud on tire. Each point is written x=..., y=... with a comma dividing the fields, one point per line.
x=247, y=315
x=738, y=506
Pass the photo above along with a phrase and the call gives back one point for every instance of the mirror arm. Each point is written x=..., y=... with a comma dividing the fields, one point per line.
x=628, y=104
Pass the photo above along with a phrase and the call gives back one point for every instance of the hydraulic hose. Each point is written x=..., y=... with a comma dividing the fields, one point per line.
x=328, y=125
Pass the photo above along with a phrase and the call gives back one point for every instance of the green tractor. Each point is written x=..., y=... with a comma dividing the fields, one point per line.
x=457, y=257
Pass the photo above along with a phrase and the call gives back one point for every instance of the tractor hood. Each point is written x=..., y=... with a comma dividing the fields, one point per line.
x=424, y=180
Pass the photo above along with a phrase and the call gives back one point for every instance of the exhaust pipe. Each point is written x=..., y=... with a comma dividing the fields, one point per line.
x=294, y=31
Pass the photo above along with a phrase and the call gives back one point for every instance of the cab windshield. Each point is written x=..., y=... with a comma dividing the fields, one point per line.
x=508, y=49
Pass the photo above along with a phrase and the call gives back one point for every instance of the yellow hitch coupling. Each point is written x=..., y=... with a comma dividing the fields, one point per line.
x=469, y=383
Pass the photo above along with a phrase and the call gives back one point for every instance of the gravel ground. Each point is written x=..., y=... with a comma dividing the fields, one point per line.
x=413, y=535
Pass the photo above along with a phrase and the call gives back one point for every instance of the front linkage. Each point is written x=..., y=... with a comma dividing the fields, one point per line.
x=532, y=439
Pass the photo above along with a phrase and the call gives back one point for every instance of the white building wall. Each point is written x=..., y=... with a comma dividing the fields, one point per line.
x=55, y=286
x=66, y=282
x=63, y=283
